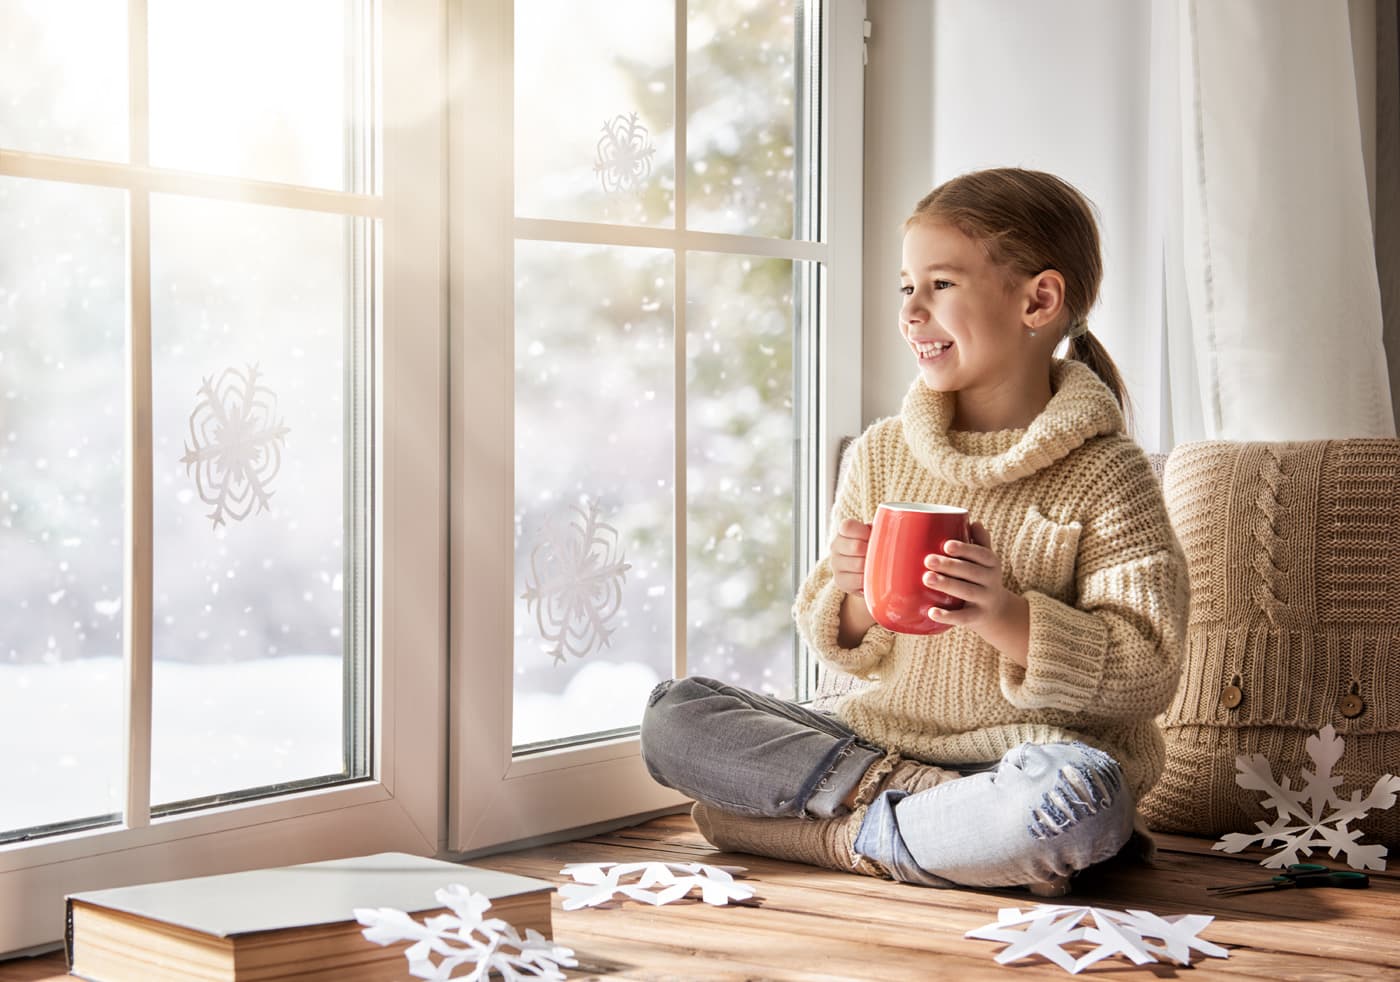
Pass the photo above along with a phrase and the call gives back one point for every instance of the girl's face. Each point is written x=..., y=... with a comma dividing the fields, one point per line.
x=964, y=320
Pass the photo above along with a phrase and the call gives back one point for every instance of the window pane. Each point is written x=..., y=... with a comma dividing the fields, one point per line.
x=741, y=467
x=595, y=111
x=742, y=116
x=260, y=89
x=63, y=77
x=254, y=325
x=594, y=459
x=62, y=426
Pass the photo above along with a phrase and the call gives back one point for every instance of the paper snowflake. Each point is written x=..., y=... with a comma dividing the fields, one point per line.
x=1313, y=816
x=466, y=937
x=1061, y=935
x=575, y=584
x=235, y=447
x=597, y=883
x=624, y=154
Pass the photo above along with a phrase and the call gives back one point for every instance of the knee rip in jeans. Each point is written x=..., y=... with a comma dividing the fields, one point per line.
x=1077, y=794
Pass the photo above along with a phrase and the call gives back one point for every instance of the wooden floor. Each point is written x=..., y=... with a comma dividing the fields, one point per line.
x=816, y=925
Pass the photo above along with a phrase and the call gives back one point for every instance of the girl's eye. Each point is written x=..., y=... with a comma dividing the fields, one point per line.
x=907, y=290
x=941, y=284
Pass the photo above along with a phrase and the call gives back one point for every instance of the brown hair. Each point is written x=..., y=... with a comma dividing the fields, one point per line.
x=1029, y=221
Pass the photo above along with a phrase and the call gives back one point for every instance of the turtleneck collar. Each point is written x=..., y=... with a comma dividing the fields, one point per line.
x=1080, y=408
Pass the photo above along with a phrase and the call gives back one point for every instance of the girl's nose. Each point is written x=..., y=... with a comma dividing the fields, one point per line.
x=912, y=312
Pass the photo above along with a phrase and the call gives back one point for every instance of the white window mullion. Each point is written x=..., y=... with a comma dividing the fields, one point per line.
x=139, y=534
x=838, y=340
x=681, y=514
x=362, y=260
x=105, y=173
x=689, y=240
x=481, y=428
x=139, y=571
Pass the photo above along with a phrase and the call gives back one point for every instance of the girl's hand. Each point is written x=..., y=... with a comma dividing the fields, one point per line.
x=848, y=572
x=848, y=556
x=972, y=572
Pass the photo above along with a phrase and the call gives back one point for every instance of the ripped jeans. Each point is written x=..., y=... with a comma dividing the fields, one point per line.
x=1042, y=811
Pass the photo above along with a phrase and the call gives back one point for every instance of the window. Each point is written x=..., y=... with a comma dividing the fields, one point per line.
x=285, y=306
x=220, y=646
x=655, y=350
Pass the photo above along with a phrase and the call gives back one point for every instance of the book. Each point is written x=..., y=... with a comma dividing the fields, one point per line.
x=291, y=922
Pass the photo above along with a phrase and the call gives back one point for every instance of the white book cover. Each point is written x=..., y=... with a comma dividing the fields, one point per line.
x=231, y=904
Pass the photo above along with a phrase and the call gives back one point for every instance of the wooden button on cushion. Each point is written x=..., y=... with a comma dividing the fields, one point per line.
x=1231, y=696
x=1351, y=706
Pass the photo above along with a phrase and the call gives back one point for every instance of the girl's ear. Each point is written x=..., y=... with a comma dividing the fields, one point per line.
x=1045, y=298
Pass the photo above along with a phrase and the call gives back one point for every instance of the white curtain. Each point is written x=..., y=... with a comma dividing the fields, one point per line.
x=1270, y=288
x=1387, y=170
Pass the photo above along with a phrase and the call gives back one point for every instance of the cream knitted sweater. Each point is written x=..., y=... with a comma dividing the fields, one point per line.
x=1076, y=516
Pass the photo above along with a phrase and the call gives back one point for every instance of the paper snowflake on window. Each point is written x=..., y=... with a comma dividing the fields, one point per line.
x=1062, y=935
x=575, y=584
x=235, y=447
x=465, y=937
x=624, y=154
x=597, y=883
x=1313, y=816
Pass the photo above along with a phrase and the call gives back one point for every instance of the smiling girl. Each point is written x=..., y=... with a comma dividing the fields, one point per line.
x=1012, y=749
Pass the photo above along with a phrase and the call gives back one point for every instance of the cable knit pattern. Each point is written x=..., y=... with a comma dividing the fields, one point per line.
x=1266, y=533
x=1293, y=553
x=1076, y=514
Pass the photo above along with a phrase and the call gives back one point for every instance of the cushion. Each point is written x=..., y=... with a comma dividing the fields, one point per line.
x=1294, y=557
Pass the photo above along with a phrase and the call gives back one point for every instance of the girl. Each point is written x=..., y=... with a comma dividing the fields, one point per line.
x=1011, y=749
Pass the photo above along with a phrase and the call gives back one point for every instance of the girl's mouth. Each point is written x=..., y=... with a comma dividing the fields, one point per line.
x=930, y=351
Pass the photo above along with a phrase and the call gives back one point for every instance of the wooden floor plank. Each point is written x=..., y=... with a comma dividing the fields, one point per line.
x=813, y=925
x=43, y=968
x=1279, y=935
x=910, y=925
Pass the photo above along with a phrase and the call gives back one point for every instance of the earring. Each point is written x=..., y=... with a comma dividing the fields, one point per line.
x=1032, y=332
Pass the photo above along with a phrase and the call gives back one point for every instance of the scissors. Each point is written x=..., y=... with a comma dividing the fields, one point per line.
x=1299, y=875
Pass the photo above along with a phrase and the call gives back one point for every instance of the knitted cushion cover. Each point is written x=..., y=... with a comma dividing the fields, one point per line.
x=1294, y=556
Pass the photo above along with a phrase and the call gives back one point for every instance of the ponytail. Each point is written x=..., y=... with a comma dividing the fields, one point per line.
x=1084, y=347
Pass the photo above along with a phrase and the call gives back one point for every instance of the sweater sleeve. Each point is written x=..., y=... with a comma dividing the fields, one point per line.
x=817, y=609
x=1116, y=653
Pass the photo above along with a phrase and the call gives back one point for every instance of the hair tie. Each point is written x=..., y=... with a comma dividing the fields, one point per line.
x=1077, y=329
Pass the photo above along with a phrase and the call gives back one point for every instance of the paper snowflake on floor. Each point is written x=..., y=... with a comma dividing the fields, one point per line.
x=597, y=883
x=1313, y=816
x=235, y=447
x=1064, y=936
x=624, y=154
x=465, y=937
x=574, y=588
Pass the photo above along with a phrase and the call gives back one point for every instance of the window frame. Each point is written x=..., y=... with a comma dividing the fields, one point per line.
x=496, y=797
x=402, y=805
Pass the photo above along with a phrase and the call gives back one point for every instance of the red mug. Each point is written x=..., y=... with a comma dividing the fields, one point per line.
x=902, y=534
